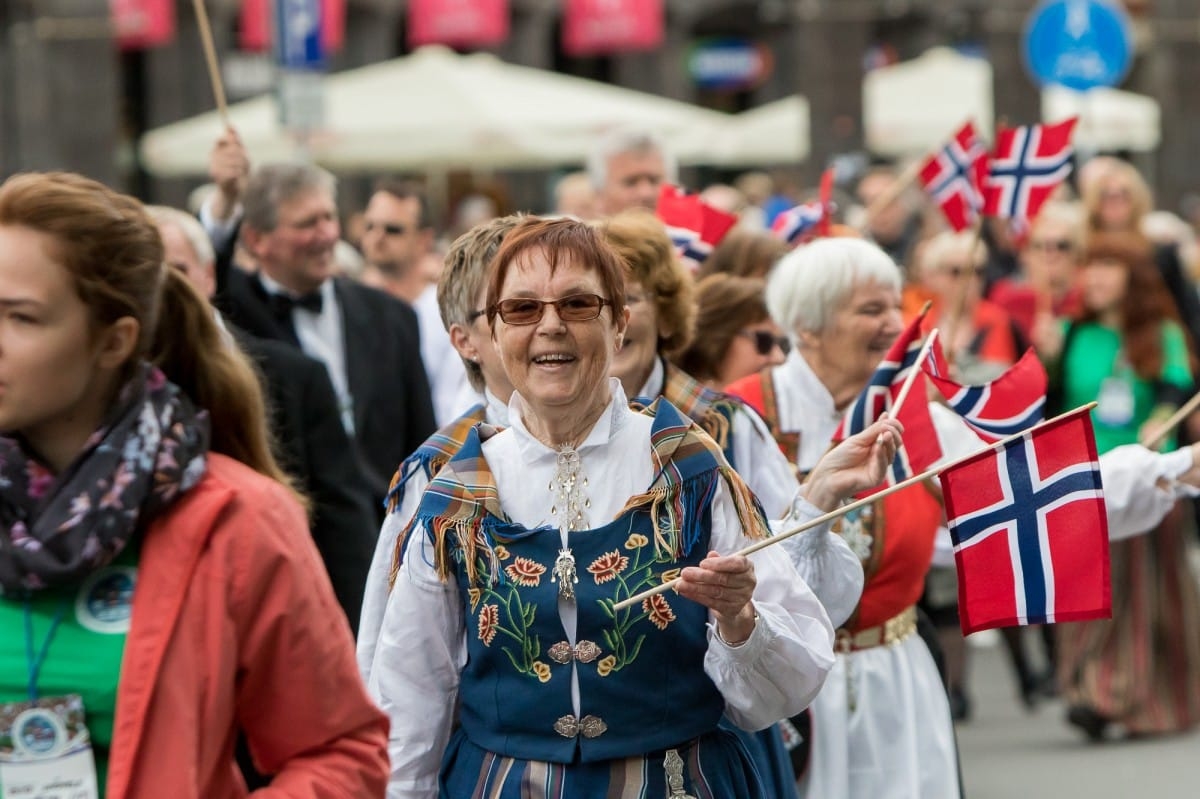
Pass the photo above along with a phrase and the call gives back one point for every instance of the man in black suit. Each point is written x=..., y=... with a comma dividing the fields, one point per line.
x=309, y=440
x=367, y=340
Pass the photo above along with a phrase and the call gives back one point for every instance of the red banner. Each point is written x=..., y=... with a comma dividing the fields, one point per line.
x=457, y=23
x=598, y=27
x=254, y=25
x=143, y=23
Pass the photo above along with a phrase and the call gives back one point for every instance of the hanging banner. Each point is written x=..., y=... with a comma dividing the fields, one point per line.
x=254, y=25
x=600, y=27
x=140, y=24
x=457, y=23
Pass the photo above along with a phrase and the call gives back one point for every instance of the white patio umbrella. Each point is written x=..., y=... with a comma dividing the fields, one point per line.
x=912, y=107
x=435, y=110
x=773, y=133
x=1109, y=119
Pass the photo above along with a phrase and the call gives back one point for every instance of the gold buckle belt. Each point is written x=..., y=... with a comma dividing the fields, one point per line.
x=894, y=629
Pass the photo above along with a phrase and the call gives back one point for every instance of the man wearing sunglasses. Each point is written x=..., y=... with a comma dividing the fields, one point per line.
x=397, y=242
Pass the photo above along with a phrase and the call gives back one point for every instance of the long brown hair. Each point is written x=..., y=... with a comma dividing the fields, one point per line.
x=1146, y=304
x=113, y=252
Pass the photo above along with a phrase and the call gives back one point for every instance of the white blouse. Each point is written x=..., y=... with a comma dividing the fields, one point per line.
x=375, y=592
x=422, y=645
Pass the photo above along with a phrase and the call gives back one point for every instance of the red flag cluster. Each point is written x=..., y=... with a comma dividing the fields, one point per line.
x=1012, y=182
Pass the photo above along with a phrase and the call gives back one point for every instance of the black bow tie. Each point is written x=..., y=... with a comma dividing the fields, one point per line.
x=282, y=304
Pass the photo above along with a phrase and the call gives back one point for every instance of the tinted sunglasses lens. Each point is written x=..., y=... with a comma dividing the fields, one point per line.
x=765, y=343
x=579, y=307
x=519, y=312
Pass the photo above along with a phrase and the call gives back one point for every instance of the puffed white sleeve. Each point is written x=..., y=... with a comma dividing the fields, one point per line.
x=415, y=677
x=780, y=668
x=762, y=464
x=1140, y=487
x=375, y=592
x=823, y=560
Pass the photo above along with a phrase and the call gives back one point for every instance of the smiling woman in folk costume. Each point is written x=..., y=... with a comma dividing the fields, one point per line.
x=462, y=291
x=166, y=578
x=521, y=544
x=881, y=724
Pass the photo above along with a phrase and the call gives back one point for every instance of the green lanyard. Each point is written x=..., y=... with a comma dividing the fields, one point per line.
x=35, y=663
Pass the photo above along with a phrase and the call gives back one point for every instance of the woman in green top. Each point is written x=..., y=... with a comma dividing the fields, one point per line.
x=1128, y=353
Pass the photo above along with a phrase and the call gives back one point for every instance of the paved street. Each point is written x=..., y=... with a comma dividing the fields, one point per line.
x=1007, y=752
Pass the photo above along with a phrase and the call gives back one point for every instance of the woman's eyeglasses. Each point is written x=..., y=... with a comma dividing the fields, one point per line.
x=958, y=271
x=572, y=308
x=765, y=341
x=1061, y=246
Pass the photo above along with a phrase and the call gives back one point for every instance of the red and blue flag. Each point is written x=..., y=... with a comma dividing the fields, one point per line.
x=695, y=227
x=1011, y=403
x=1030, y=530
x=920, y=448
x=1026, y=167
x=954, y=176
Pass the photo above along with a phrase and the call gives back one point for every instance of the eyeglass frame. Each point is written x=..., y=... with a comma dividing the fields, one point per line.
x=497, y=308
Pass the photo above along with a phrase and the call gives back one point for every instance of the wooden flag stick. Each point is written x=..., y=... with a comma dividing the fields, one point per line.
x=210, y=56
x=858, y=503
x=912, y=375
x=893, y=192
x=1152, y=442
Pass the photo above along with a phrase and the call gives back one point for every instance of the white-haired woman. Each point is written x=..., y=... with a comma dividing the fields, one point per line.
x=881, y=724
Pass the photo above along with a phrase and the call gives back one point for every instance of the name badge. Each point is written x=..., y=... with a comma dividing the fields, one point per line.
x=46, y=751
x=1115, y=406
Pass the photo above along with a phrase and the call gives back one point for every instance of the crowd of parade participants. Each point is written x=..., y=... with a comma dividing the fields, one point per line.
x=327, y=518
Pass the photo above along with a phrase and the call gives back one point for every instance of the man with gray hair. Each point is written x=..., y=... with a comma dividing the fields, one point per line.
x=308, y=438
x=627, y=168
x=368, y=340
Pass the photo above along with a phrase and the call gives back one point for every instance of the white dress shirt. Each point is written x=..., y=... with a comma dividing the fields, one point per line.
x=422, y=645
x=321, y=337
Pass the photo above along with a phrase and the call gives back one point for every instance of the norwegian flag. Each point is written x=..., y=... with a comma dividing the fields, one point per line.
x=1027, y=165
x=799, y=223
x=695, y=227
x=954, y=176
x=920, y=448
x=807, y=221
x=1029, y=529
x=1012, y=402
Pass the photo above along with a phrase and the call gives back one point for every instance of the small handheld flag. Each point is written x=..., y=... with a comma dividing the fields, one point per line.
x=1030, y=529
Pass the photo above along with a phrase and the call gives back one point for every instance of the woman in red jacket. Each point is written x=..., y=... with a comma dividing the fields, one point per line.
x=159, y=591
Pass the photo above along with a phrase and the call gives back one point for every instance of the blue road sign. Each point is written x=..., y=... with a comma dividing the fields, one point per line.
x=1079, y=44
x=298, y=45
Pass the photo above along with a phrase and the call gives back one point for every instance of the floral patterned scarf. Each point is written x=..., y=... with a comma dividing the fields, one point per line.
x=55, y=530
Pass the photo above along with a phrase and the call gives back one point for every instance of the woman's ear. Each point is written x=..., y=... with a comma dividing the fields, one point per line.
x=118, y=342
x=460, y=339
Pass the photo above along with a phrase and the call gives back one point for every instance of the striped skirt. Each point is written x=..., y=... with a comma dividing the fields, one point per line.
x=1141, y=669
x=716, y=766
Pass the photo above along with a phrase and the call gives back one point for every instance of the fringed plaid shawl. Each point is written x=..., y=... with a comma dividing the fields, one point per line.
x=435, y=453
x=460, y=510
x=712, y=410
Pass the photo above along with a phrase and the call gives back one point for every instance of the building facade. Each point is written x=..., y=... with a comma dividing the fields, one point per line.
x=71, y=100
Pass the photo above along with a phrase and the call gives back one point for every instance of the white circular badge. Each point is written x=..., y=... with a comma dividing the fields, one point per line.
x=105, y=600
x=38, y=733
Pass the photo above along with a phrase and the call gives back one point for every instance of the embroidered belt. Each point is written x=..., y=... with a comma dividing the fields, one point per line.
x=588, y=726
x=891, y=631
x=563, y=652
